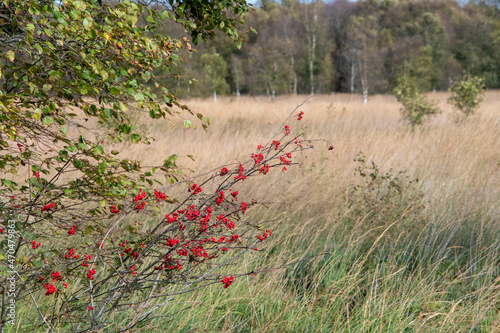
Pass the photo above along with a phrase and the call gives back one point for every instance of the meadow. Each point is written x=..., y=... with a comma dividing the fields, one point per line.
x=394, y=230
x=380, y=227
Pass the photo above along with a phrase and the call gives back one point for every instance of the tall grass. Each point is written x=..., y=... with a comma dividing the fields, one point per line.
x=415, y=249
x=424, y=260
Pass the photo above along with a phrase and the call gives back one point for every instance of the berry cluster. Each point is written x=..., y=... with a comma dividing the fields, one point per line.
x=208, y=224
x=49, y=207
x=227, y=281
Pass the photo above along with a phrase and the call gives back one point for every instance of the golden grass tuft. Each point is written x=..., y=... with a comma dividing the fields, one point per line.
x=447, y=155
x=448, y=260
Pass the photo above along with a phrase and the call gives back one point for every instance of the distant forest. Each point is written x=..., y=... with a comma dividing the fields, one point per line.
x=358, y=47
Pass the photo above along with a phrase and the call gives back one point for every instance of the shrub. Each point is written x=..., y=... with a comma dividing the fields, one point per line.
x=415, y=105
x=384, y=197
x=466, y=94
x=94, y=240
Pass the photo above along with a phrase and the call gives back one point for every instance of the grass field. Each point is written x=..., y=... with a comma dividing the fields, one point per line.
x=403, y=237
x=415, y=248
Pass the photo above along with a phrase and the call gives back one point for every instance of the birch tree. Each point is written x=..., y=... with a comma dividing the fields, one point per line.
x=363, y=47
x=215, y=69
x=310, y=20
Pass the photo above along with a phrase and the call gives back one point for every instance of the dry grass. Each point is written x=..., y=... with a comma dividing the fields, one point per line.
x=430, y=269
x=454, y=242
x=448, y=157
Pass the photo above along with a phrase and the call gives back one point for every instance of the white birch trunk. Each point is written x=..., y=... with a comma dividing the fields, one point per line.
x=311, y=28
x=238, y=94
x=353, y=76
x=295, y=80
x=364, y=79
x=311, y=61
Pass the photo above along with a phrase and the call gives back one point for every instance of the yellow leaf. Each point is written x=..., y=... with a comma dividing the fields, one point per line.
x=10, y=55
x=104, y=75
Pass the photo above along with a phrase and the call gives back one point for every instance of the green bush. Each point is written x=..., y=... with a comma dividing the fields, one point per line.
x=382, y=198
x=415, y=105
x=466, y=94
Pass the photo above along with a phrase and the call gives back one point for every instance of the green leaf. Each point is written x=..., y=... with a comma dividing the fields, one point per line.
x=83, y=146
x=38, y=114
x=196, y=37
x=108, y=113
x=187, y=123
x=139, y=97
x=39, y=48
x=87, y=23
x=6, y=182
x=170, y=161
x=64, y=130
x=181, y=8
x=135, y=138
x=47, y=120
x=29, y=39
x=99, y=150
x=125, y=128
x=123, y=107
x=104, y=75
x=77, y=163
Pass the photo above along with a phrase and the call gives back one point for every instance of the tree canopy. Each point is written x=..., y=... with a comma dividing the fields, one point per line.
x=363, y=46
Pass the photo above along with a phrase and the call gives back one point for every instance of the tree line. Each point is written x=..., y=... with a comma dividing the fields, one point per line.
x=364, y=47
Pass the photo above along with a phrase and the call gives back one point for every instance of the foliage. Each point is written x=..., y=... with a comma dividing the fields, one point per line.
x=384, y=197
x=415, y=105
x=201, y=18
x=466, y=94
x=421, y=275
x=364, y=50
x=94, y=239
x=215, y=69
x=336, y=46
